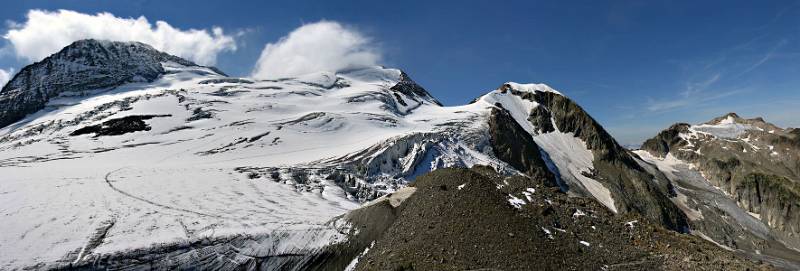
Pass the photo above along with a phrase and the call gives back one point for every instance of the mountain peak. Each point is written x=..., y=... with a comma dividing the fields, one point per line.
x=407, y=86
x=532, y=88
x=402, y=84
x=81, y=66
x=732, y=114
x=107, y=43
x=93, y=52
x=728, y=118
x=735, y=119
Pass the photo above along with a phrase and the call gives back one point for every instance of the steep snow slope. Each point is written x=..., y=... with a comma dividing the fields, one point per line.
x=191, y=155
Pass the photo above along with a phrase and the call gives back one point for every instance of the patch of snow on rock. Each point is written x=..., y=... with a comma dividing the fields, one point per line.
x=515, y=201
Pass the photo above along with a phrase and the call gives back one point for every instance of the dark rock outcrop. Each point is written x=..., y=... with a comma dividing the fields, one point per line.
x=118, y=126
x=412, y=90
x=666, y=140
x=513, y=145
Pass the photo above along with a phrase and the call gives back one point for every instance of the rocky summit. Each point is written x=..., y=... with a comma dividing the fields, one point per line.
x=738, y=178
x=117, y=156
x=87, y=65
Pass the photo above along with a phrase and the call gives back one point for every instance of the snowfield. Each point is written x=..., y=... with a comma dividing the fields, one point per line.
x=726, y=128
x=218, y=156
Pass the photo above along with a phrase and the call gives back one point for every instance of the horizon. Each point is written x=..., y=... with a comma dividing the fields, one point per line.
x=358, y=135
x=635, y=67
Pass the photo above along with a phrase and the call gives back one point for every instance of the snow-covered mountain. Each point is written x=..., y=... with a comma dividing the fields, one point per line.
x=737, y=180
x=114, y=152
x=87, y=65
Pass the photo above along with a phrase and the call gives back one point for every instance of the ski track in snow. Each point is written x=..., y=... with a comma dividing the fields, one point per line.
x=110, y=184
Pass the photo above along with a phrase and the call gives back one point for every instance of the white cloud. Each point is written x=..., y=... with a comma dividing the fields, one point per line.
x=694, y=87
x=667, y=105
x=46, y=32
x=321, y=46
x=5, y=76
x=769, y=55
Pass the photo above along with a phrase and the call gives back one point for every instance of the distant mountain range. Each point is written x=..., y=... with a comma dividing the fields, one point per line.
x=118, y=156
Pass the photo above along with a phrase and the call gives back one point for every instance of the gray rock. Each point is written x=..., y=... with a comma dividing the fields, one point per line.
x=756, y=165
x=632, y=186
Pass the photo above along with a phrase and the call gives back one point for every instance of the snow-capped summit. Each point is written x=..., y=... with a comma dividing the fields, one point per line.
x=528, y=87
x=82, y=66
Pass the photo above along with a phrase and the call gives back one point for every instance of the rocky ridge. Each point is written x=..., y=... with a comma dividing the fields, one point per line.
x=753, y=163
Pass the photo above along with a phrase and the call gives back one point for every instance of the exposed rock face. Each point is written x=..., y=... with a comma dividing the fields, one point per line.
x=82, y=66
x=570, y=117
x=773, y=197
x=516, y=147
x=633, y=188
x=413, y=90
x=662, y=143
x=755, y=163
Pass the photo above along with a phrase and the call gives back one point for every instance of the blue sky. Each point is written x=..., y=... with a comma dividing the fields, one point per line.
x=636, y=66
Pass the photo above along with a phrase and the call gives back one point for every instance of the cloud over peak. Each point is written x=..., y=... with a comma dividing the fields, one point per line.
x=5, y=76
x=321, y=46
x=45, y=32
